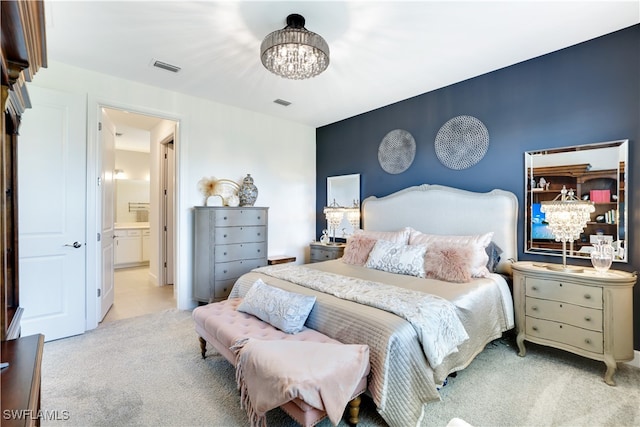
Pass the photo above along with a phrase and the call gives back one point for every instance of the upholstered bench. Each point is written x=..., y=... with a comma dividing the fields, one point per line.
x=222, y=326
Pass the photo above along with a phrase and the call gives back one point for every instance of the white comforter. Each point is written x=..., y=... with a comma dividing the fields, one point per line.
x=402, y=381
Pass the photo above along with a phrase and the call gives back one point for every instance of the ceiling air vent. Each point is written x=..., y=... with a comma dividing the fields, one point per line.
x=282, y=102
x=165, y=66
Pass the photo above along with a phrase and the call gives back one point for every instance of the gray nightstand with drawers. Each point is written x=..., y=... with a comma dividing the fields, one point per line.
x=321, y=252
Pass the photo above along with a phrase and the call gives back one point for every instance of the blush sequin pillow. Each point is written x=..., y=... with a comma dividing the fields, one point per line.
x=284, y=310
x=451, y=263
x=357, y=250
x=398, y=236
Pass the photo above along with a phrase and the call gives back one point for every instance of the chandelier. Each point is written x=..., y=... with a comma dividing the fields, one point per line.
x=294, y=52
x=567, y=216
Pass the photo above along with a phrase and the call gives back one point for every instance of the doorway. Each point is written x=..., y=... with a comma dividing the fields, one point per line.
x=143, y=231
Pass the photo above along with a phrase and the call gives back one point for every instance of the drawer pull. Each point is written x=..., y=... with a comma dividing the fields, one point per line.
x=534, y=308
x=224, y=271
x=534, y=288
x=535, y=328
x=587, y=296
x=224, y=236
x=587, y=319
x=560, y=284
x=224, y=218
x=258, y=250
x=258, y=216
x=259, y=234
x=224, y=253
x=587, y=340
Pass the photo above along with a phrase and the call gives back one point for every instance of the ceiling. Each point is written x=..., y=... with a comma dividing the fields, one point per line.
x=381, y=52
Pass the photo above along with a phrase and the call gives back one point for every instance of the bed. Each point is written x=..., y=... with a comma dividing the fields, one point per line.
x=405, y=378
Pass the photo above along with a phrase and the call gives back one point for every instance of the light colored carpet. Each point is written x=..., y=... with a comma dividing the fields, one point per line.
x=147, y=371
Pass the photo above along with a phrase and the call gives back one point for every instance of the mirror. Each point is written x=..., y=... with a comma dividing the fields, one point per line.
x=344, y=191
x=132, y=201
x=596, y=172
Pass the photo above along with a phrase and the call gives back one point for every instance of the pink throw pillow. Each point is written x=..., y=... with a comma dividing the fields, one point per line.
x=357, y=250
x=448, y=262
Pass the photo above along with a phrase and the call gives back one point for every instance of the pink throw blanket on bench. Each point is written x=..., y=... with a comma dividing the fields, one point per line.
x=272, y=373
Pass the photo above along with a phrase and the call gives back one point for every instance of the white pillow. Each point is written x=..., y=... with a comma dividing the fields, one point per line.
x=399, y=236
x=397, y=258
x=478, y=244
x=284, y=310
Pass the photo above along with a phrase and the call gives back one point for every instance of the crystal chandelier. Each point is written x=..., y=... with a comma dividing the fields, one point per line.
x=567, y=216
x=295, y=52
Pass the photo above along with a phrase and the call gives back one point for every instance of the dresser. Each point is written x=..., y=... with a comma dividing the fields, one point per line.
x=584, y=313
x=228, y=242
x=320, y=252
x=20, y=401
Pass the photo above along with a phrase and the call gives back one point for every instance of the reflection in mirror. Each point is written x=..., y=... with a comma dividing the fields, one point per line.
x=344, y=191
x=132, y=201
x=597, y=172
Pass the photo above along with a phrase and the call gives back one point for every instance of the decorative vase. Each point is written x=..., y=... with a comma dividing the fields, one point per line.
x=602, y=257
x=248, y=192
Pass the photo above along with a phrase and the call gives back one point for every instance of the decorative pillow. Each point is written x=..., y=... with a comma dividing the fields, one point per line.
x=448, y=262
x=399, y=236
x=493, y=252
x=397, y=258
x=478, y=244
x=284, y=310
x=357, y=250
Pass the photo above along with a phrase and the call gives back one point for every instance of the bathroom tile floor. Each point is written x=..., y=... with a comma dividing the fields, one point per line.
x=136, y=295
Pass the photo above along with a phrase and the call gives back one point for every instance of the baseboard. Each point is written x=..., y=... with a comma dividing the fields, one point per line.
x=636, y=359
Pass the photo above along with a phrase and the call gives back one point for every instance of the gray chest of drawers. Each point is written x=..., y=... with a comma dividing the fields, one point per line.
x=583, y=313
x=228, y=242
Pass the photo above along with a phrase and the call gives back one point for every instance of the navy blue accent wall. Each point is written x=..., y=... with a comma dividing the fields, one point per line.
x=583, y=94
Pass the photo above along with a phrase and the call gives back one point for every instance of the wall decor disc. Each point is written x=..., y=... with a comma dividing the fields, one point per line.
x=396, y=151
x=462, y=142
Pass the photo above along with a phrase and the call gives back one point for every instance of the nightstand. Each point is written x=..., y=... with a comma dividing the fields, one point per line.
x=321, y=252
x=584, y=313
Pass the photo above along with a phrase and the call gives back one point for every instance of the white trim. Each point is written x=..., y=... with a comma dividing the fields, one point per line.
x=636, y=359
x=93, y=274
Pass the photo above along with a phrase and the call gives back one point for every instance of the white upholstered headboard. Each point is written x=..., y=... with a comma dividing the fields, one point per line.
x=437, y=209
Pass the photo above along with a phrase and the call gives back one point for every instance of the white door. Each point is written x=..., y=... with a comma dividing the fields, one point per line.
x=106, y=148
x=52, y=214
x=168, y=200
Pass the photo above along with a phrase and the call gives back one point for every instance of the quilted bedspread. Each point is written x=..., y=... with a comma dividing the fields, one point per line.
x=402, y=382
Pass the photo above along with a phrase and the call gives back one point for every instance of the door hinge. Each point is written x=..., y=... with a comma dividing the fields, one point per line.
x=98, y=237
x=99, y=293
x=99, y=181
x=99, y=125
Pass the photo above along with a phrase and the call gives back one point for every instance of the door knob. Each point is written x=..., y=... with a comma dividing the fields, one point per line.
x=75, y=245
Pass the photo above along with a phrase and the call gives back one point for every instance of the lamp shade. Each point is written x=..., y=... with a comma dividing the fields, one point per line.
x=567, y=217
x=294, y=52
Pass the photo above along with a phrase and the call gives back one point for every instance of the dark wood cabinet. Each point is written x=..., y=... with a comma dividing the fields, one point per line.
x=20, y=401
x=22, y=54
x=604, y=220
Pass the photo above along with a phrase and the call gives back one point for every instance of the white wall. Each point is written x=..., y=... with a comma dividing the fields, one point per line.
x=213, y=140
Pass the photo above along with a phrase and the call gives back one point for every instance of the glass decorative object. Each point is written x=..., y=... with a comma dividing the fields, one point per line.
x=294, y=52
x=602, y=257
x=248, y=192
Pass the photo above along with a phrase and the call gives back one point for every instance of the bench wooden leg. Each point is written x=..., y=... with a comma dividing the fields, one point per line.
x=354, y=410
x=203, y=346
